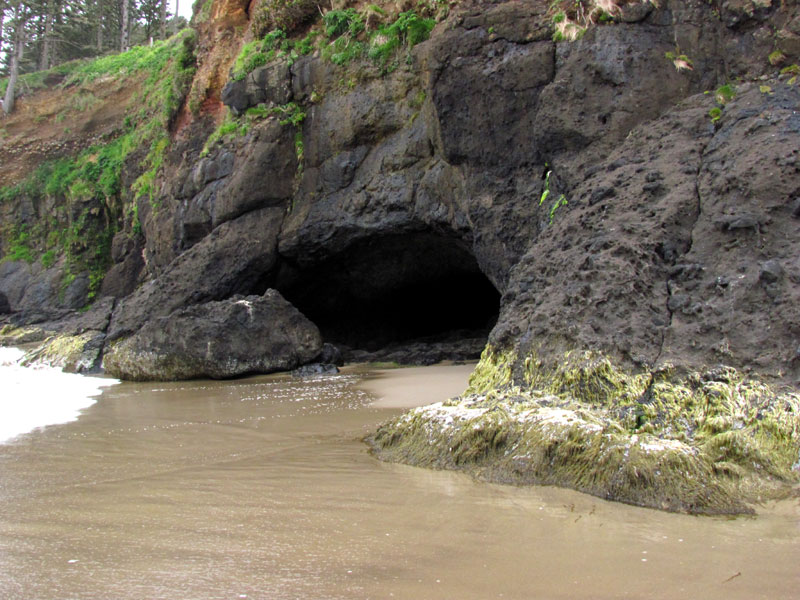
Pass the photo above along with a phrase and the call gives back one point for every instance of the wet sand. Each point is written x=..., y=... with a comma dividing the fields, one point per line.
x=416, y=386
x=261, y=488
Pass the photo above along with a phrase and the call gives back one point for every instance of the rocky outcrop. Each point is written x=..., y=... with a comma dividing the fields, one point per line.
x=270, y=84
x=238, y=336
x=230, y=260
x=31, y=287
x=604, y=367
x=72, y=341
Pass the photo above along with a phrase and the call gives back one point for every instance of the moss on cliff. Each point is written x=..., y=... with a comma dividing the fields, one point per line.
x=710, y=442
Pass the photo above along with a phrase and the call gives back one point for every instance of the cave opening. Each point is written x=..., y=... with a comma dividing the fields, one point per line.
x=384, y=292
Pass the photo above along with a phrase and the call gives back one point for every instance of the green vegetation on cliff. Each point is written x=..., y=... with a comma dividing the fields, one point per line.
x=85, y=190
x=342, y=37
x=571, y=18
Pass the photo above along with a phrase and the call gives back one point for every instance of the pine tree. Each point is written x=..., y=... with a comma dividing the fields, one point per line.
x=21, y=15
x=124, y=41
x=49, y=17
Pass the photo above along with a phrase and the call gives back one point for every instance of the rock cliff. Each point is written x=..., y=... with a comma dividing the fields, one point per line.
x=618, y=215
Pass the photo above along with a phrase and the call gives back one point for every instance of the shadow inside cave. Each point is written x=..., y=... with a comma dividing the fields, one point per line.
x=414, y=298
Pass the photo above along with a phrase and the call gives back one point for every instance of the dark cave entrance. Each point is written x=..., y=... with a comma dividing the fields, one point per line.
x=413, y=290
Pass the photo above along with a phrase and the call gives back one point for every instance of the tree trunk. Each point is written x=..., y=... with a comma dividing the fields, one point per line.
x=2, y=21
x=163, y=19
x=124, y=40
x=44, y=59
x=99, y=15
x=16, y=57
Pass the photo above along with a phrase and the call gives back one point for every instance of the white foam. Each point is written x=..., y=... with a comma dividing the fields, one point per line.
x=34, y=397
x=10, y=356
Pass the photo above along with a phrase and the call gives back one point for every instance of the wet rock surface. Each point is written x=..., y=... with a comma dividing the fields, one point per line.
x=315, y=370
x=421, y=352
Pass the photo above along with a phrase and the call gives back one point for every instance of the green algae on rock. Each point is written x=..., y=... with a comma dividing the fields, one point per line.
x=710, y=443
x=72, y=353
x=13, y=336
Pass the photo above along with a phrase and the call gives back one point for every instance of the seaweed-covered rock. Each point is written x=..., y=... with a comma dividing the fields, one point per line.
x=11, y=335
x=244, y=334
x=707, y=443
x=78, y=353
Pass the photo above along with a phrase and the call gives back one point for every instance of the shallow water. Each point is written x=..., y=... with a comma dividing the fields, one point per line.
x=261, y=489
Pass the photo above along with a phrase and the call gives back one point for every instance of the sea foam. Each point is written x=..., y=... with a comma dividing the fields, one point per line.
x=37, y=396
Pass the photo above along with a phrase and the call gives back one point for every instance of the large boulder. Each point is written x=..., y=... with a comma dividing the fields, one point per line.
x=244, y=334
x=230, y=260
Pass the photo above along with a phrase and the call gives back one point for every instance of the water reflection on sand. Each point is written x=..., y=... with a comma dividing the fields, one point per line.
x=261, y=488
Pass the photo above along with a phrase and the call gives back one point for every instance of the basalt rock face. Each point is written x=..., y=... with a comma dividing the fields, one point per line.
x=5, y=307
x=679, y=251
x=455, y=155
x=498, y=159
x=219, y=266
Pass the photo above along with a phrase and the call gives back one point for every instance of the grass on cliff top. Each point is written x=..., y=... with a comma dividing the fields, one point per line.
x=137, y=60
x=30, y=82
x=166, y=68
x=343, y=36
x=94, y=176
x=571, y=18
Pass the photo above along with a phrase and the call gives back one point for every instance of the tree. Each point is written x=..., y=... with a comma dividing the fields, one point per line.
x=149, y=15
x=98, y=15
x=51, y=32
x=49, y=16
x=124, y=42
x=2, y=21
x=17, y=50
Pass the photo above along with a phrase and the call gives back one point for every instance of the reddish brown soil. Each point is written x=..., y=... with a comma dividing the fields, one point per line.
x=57, y=122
